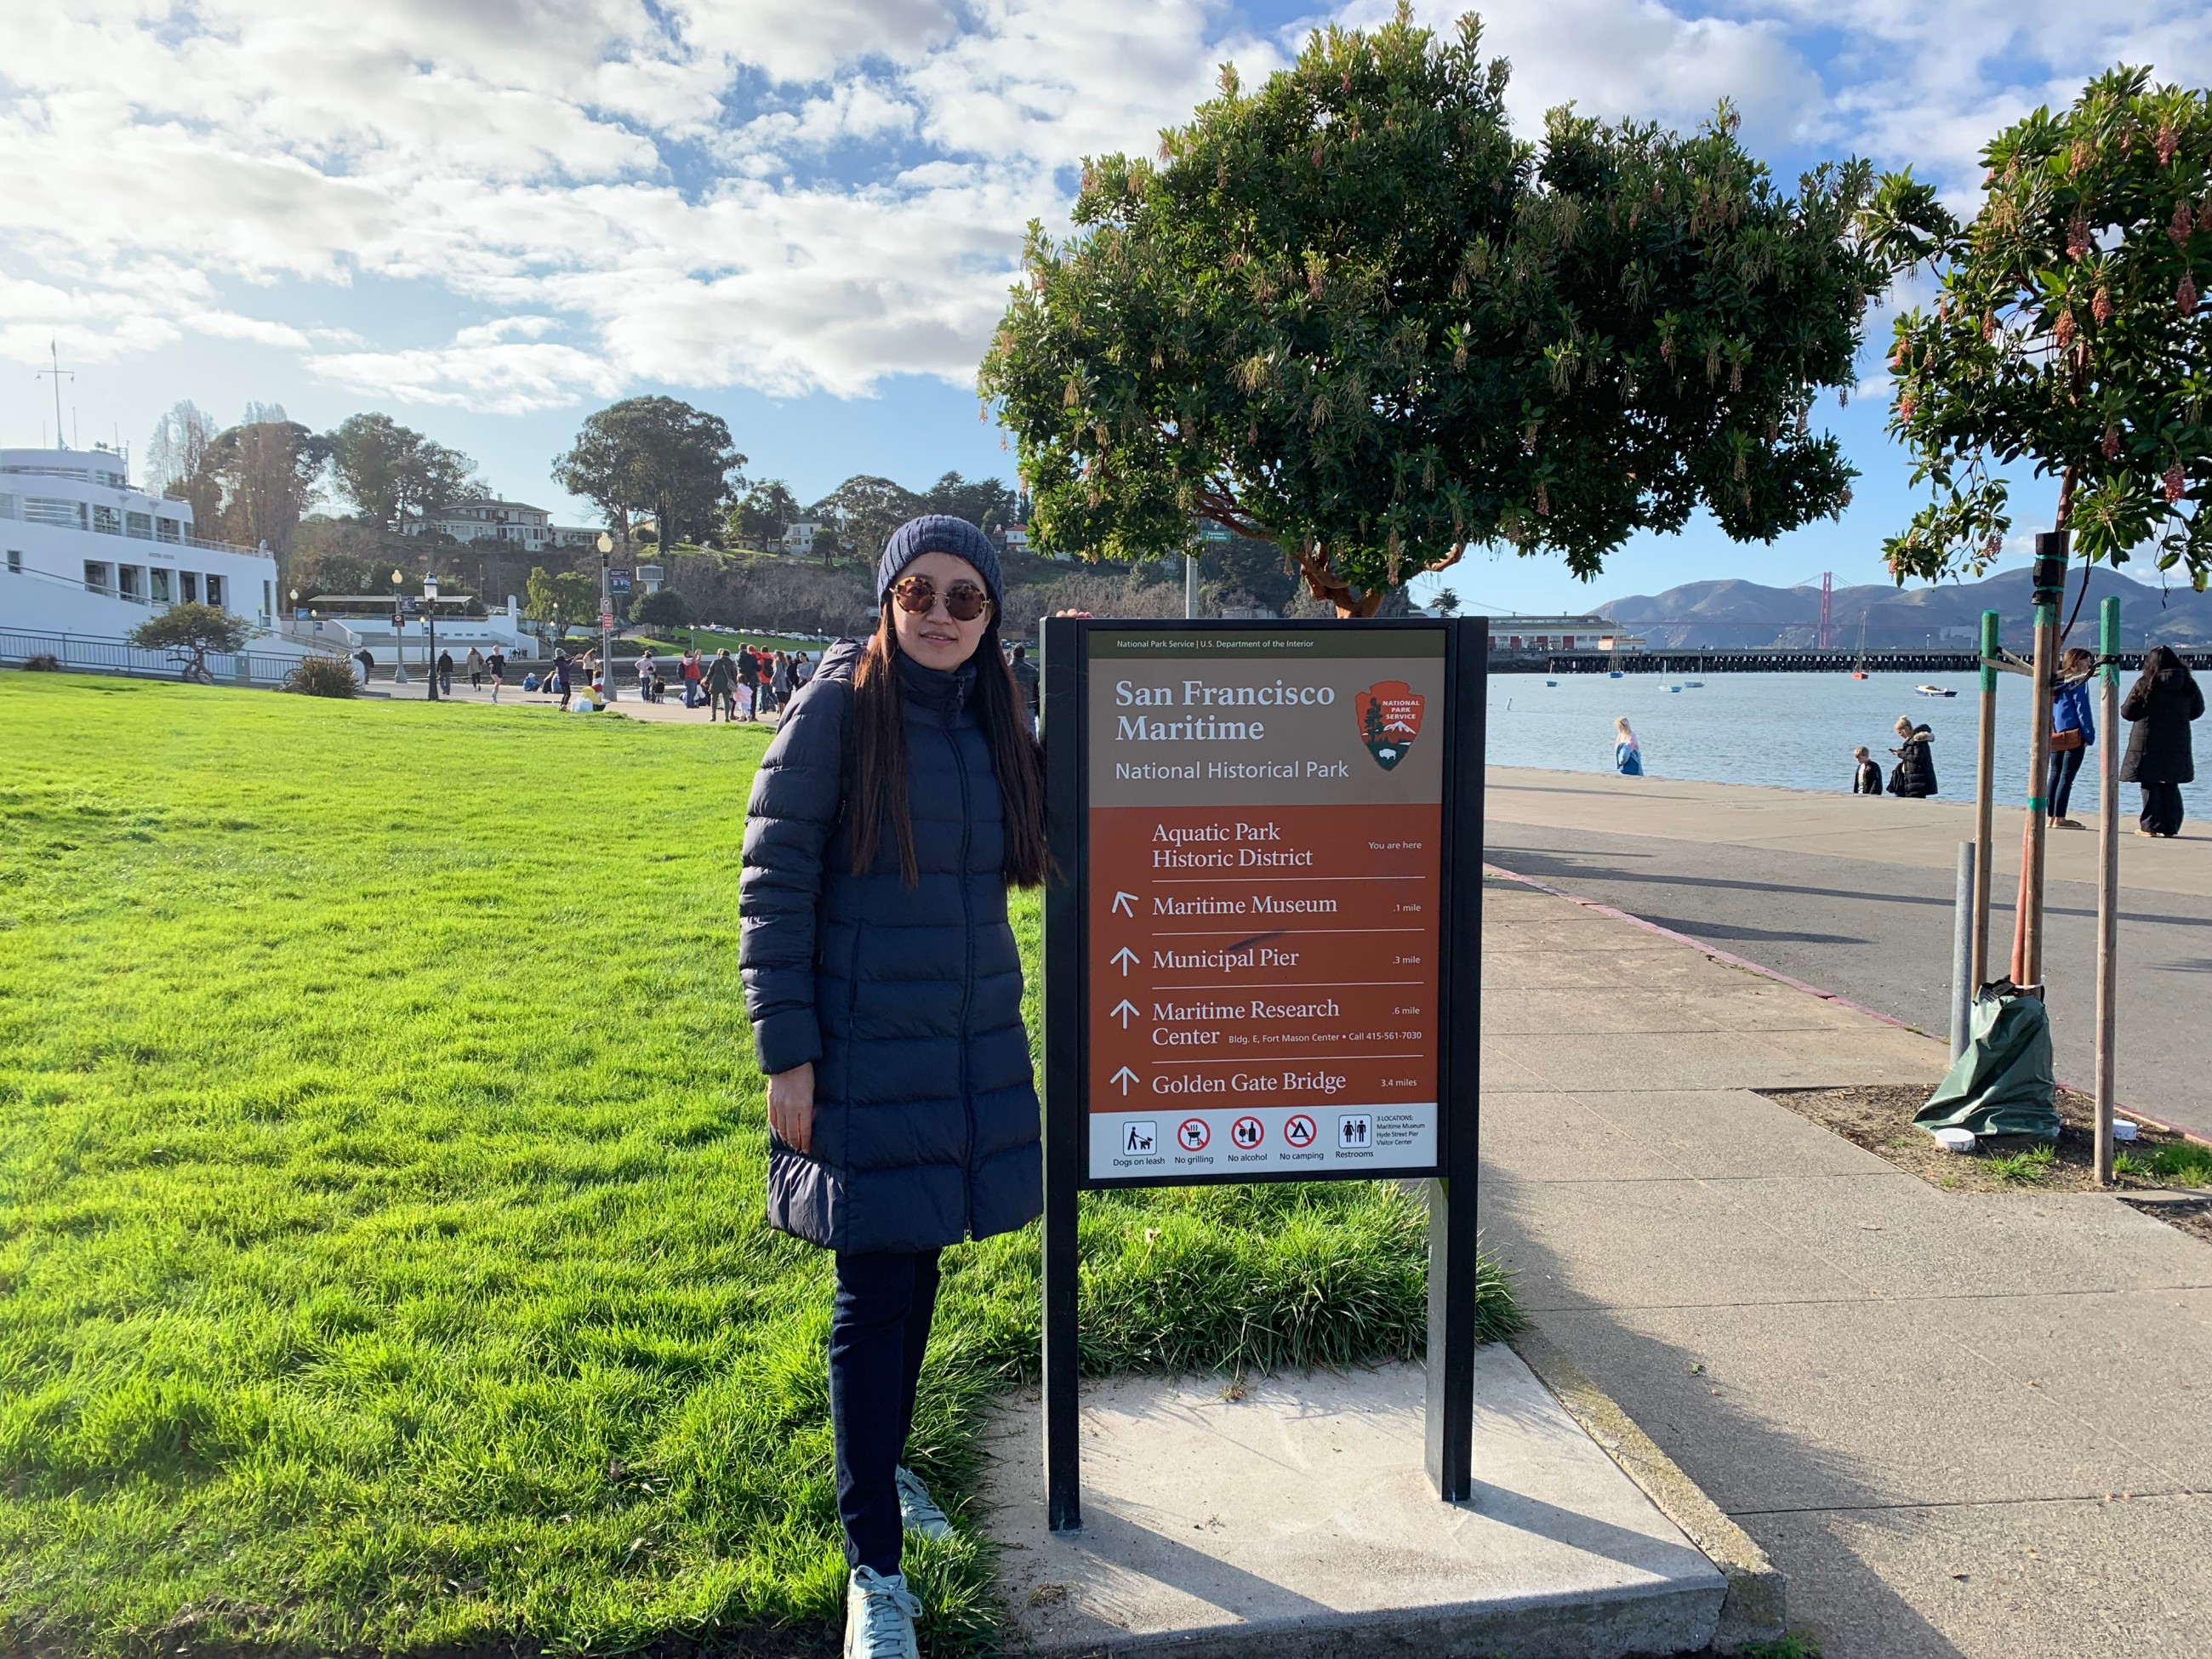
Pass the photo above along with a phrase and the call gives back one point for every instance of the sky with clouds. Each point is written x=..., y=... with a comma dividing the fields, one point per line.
x=488, y=216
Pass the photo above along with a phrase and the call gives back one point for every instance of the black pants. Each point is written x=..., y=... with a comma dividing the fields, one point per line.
x=2161, y=808
x=2065, y=766
x=878, y=1331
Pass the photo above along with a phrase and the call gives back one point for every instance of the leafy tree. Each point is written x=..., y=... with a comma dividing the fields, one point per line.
x=1447, y=602
x=666, y=609
x=986, y=503
x=2069, y=332
x=189, y=633
x=866, y=510
x=392, y=473
x=764, y=512
x=555, y=601
x=1353, y=314
x=269, y=467
x=654, y=455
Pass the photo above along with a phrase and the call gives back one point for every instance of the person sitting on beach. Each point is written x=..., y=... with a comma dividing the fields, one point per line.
x=1627, y=753
x=1914, y=776
x=1868, y=779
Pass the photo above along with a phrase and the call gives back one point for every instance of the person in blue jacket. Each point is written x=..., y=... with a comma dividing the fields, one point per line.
x=2073, y=731
x=901, y=797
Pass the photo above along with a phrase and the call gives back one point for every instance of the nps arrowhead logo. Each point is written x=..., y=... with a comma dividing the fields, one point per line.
x=1389, y=716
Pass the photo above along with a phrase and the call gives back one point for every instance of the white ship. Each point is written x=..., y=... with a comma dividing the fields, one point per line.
x=85, y=558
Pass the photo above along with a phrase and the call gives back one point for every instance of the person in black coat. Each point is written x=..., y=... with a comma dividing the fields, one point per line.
x=2161, y=703
x=1915, y=774
x=1866, y=776
x=900, y=798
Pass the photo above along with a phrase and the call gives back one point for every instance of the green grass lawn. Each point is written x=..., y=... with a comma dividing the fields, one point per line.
x=381, y=1260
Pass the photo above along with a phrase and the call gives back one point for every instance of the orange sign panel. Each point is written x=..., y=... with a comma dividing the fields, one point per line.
x=1264, y=886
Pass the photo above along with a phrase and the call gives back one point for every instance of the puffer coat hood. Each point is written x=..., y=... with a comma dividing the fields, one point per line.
x=907, y=1000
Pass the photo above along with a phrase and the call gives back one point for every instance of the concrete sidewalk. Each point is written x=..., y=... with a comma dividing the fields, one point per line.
x=1923, y=834
x=1962, y=1425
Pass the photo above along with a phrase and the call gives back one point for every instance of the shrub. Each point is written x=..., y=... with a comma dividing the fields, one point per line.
x=321, y=676
x=43, y=662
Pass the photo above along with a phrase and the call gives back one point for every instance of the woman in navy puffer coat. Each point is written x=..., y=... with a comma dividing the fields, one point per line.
x=900, y=795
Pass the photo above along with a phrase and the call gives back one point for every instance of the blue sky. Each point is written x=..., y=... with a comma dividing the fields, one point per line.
x=488, y=217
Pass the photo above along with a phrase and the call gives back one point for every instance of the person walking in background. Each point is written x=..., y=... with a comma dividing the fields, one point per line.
x=692, y=673
x=1914, y=777
x=901, y=798
x=1026, y=675
x=722, y=686
x=779, y=683
x=495, y=670
x=476, y=662
x=557, y=681
x=445, y=673
x=645, y=670
x=2162, y=702
x=1866, y=778
x=802, y=670
x=1627, y=753
x=2073, y=731
x=367, y=665
x=749, y=678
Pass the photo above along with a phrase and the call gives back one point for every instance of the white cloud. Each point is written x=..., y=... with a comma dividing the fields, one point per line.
x=791, y=194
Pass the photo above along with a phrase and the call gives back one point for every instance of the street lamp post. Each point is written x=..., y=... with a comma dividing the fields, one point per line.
x=399, y=631
x=606, y=619
x=430, y=617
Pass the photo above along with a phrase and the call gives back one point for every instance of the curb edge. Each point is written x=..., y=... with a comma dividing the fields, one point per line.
x=1757, y=1603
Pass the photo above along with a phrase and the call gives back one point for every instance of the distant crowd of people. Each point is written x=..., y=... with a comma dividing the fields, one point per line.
x=2160, y=707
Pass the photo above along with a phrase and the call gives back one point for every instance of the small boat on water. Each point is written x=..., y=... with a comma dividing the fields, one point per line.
x=1693, y=685
x=1858, y=673
x=1550, y=682
x=1935, y=692
x=1614, y=675
x=1674, y=688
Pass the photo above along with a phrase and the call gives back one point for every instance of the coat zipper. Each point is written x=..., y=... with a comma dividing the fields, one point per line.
x=968, y=966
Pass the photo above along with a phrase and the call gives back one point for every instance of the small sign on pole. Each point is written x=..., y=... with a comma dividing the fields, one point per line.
x=1263, y=948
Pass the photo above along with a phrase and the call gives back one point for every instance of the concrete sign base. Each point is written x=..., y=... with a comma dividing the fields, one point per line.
x=1297, y=1521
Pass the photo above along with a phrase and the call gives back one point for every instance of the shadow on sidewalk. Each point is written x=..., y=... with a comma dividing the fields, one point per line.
x=1636, y=1369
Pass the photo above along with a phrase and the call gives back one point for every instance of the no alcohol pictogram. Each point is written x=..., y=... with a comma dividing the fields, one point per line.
x=1300, y=1131
x=1192, y=1134
x=1247, y=1133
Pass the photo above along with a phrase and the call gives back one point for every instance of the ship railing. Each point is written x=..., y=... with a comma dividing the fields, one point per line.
x=91, y=653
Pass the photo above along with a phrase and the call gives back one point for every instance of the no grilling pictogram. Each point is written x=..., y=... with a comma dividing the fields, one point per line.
x=1192, y=1134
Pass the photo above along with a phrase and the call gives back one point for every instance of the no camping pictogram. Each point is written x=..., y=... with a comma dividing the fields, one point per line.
x=1300, y=1131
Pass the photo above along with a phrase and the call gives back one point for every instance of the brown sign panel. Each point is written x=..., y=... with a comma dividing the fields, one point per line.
x=1264, y=888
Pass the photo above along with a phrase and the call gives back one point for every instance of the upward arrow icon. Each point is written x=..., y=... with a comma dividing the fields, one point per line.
x=1123, y=1013
x=1126, y=903
x=1125, y=1077
x=1126, y=958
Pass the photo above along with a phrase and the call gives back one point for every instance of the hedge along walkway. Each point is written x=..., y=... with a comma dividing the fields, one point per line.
x=381, y=1266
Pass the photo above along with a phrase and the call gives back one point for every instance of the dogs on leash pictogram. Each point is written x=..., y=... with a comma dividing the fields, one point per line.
x=1247, y=1133
x=1192, y=1134
x=1300, y=1131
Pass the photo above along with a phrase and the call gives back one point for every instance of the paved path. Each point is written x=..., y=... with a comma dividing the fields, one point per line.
x=1854, y=894
x=1963, y=1424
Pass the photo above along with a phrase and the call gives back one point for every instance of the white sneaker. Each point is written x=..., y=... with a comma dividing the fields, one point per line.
x=918, y=1510
x=879, y=1615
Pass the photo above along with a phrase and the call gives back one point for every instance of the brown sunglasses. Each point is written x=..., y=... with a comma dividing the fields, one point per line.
x=964, y=601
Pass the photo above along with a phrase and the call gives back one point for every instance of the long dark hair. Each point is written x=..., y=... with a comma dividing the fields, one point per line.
x=879, y=757
x=2162, y=665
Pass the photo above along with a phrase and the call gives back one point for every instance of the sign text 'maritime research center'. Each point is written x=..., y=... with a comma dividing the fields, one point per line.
x=1264, y=869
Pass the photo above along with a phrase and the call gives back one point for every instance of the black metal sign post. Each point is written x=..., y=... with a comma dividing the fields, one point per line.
x=1263, y=943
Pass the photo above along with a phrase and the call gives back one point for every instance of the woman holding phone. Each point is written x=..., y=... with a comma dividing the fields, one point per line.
x=902, y=796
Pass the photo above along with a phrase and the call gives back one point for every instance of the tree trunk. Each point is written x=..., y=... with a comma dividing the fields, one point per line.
x=1323, y=583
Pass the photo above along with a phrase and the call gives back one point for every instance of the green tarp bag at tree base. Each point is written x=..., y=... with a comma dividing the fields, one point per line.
x=2002, y=1085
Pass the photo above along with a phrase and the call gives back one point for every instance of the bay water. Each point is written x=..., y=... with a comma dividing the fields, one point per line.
x=1793, y=731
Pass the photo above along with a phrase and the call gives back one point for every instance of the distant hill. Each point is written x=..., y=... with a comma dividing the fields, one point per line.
x=1745, y=615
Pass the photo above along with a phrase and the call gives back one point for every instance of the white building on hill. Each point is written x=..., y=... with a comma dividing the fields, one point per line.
x=529, y=528
x=83, y=553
